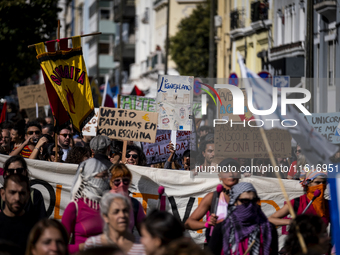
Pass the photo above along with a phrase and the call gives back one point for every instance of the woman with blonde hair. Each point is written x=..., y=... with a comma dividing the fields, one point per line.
x=47, y=236
x=114, y=210
x=120, y=181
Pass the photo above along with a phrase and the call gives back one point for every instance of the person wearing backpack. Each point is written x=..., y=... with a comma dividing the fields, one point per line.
x=208, y=203
x=120, y=181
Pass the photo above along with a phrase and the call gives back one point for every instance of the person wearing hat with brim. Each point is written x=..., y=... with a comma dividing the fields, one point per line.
x=82, y=217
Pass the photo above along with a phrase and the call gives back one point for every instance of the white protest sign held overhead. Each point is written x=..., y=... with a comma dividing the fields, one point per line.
x=174, y=102
x=159, y=151
x=90, y=129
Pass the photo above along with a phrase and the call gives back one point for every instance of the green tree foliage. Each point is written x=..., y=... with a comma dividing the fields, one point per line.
x=23, y=23
x=189, y=48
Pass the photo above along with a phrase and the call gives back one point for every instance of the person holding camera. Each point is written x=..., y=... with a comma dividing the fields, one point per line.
x=32, y=137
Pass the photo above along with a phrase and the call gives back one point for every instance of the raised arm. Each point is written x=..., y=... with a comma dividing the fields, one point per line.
x=193, y=222
x=277, y=217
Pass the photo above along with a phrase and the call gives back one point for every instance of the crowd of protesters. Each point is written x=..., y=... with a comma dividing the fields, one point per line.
x=102, y=217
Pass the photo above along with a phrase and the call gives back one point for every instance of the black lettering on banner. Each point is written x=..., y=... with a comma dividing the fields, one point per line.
x=187, y=209
x=51, y=192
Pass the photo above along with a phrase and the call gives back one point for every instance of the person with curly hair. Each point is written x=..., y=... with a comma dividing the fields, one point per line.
x=135, y=156
x=78, y=154
x=313, y=230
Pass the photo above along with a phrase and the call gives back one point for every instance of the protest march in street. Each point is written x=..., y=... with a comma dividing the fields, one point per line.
x=202, y=168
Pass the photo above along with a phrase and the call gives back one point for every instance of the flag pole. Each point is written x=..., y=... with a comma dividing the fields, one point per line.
x=96, y=33
x=291, y=211
x=55, y=133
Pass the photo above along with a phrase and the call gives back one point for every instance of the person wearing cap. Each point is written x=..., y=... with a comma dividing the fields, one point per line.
x=311, y=180
x=245, y=225
x=81, y=217
x=208, y=203
x=101, y=148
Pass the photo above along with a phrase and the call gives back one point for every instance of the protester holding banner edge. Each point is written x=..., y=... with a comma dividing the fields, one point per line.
x=313, y=180
x=208, y=202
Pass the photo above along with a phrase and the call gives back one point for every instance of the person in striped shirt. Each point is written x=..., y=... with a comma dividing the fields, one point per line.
x=32, y=136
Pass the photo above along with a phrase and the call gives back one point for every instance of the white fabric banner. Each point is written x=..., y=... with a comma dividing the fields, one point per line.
x=181, y=197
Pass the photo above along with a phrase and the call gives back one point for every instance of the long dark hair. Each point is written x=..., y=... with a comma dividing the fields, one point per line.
x=15, y=159
x=164, y=226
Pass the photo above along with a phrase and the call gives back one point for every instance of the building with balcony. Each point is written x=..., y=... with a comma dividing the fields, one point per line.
x=98, y=50
x=124, y=48
x=250, y=34
x=326, y=56
x=150, y=36
x=287, y=54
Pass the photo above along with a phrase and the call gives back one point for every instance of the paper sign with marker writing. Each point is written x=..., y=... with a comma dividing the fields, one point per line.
x=28, y=96
x=90, y=128
x=246, y=142
x=137, y=103
x=326, y=124
x=174, y=100
x=225, y=111
x=159, y=151
x=128, y=125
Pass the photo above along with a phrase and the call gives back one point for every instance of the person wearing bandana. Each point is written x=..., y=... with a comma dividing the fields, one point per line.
x=245, y=226
x=82, y=217
x=311, y=181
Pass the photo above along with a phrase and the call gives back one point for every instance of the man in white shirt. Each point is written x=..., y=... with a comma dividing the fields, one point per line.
x=64, y=140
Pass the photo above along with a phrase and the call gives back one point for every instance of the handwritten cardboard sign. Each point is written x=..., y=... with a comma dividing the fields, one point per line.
x=137, y=103
x=325, y=124
x=129, y=125
x=90, y=128
x=32, y=113
x=246, y=142
x=174, y=102
x=225, y=111
x=159, y=151
x=28, y=96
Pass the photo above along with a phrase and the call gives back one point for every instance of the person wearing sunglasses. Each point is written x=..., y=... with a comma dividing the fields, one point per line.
x=82, y=217
x=312, y=180
x=120, y=182
x=65, y=137
x=16, y=165
x=32, y=136
x=135, y=156
x=245, y=224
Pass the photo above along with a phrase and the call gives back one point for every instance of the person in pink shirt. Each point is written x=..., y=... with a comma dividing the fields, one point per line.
x=82, y=217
